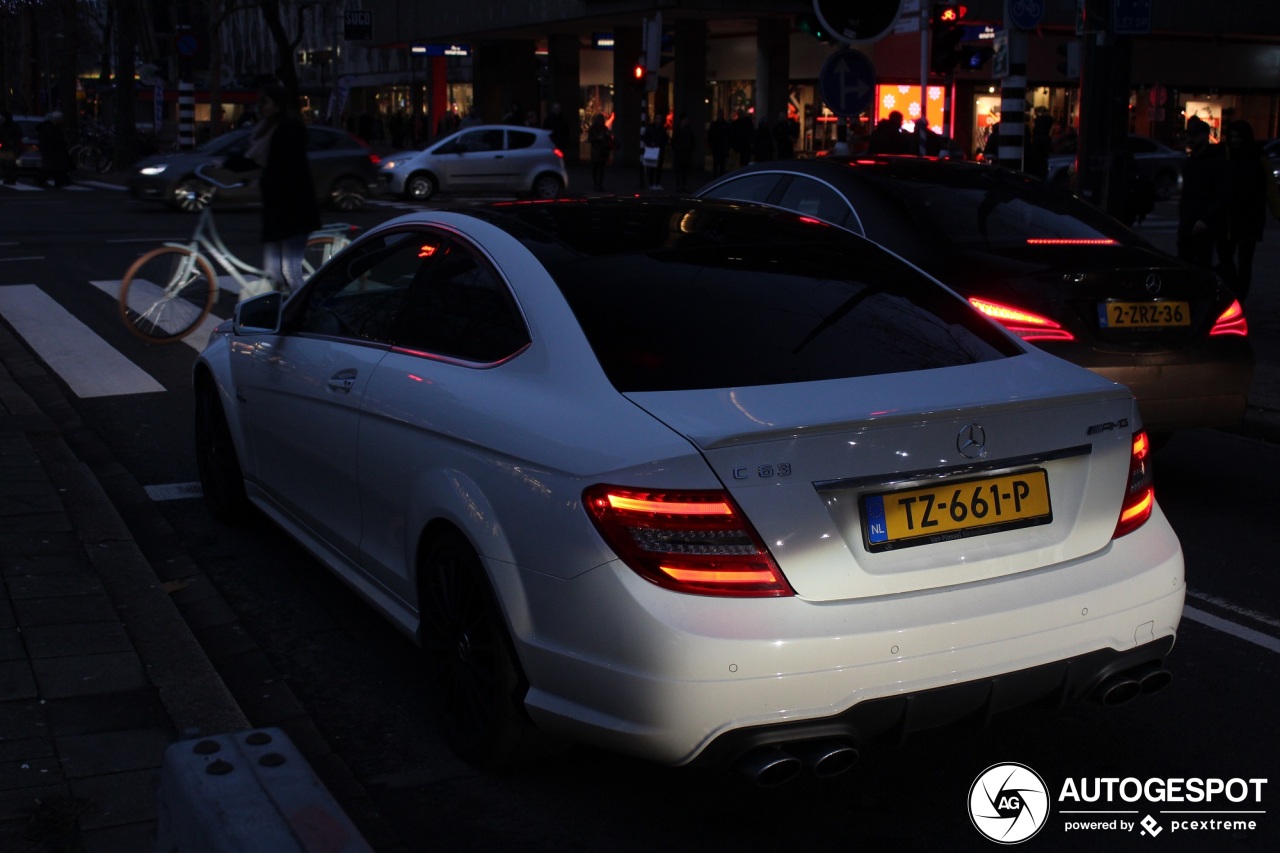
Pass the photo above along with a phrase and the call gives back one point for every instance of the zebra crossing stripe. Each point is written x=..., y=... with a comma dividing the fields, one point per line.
x=90, y=366
x=142, y=291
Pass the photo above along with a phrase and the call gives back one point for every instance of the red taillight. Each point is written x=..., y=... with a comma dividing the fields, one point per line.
x=1070, y=241
x=688, y=541
x=375, y=159
x=559, y=153
x=1231, y=321
x=1140, y=494
x=1024, y=324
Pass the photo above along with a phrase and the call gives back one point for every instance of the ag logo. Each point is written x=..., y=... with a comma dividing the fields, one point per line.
x=1008, y=803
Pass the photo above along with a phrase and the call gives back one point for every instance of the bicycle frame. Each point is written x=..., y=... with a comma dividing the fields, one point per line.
x=208, y=243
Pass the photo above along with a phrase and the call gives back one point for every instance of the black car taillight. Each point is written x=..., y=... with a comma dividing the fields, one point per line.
x=1024, y=324
x=1140, y=493
x=687, y=541
x=1231, y=322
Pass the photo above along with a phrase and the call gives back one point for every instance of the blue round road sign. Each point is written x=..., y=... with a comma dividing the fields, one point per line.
x=847, y=83
x=1026, y=14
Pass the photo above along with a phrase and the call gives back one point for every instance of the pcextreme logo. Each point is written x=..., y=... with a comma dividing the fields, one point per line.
x=1009, y=803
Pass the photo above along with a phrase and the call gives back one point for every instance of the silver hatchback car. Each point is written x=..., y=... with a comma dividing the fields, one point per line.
x=484, y=158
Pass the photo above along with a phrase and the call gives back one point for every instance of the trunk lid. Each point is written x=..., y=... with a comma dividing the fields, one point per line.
x=811, y=465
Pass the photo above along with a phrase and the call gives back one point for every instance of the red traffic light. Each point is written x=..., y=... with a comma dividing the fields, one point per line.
x=949, y=13
x=639, y=72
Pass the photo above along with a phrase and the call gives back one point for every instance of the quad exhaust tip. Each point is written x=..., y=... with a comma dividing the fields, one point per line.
x=771, y=766
x=1130, y=684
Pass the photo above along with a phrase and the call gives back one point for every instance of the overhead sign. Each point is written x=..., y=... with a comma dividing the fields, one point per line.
x=1025, y=14
x=847, y=83
x=1131, y=17
x=857, y=20
x=357, y=25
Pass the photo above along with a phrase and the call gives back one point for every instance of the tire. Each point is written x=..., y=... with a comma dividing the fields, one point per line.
x=220, y=477
x=347, y=194
x=166, y=294
x=190, y=194
x=420, y=187
x=319, y=250
x=476, y=685
x=547, y=185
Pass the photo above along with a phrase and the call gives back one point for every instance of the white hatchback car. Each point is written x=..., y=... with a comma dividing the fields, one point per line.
x=696, y=481
x=485, y=158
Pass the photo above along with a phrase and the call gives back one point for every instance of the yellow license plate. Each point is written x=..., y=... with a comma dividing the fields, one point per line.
x=1143, y=315
x=956, y=509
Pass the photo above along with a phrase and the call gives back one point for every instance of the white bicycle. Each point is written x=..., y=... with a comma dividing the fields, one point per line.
x=169, y=291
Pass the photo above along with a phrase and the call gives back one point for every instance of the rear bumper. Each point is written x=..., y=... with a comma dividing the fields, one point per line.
x=615, y=661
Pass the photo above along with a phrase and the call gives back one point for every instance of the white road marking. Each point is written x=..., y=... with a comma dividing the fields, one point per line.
x=87, y=363
x=1240, y=632
x=142, y=291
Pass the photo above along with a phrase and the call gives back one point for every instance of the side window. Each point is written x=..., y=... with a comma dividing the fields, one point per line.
x=816, y=199
x=462, y=309
x=749, y=188
x=359, y=295
x=520, y=139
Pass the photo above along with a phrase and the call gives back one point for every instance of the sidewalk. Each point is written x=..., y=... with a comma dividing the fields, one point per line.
x=99, y=672
x=108, y=655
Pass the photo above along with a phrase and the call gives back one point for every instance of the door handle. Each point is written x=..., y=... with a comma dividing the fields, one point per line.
x=343, y=381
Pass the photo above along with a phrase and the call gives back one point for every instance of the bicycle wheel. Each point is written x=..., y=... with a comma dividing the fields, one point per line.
x=167, y=293
x=319, y=250
x=88, y=158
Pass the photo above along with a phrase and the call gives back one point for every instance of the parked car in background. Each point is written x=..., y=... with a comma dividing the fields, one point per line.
x=695, y=481
x=344, y=169
x=1157, y=162
x=29, y=157
x=485, y=158
x=1053, y=269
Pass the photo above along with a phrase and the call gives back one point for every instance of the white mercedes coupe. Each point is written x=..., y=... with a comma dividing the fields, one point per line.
x=694, y=480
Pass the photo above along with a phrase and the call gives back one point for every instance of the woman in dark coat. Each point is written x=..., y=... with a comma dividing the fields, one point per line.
x=289, y=209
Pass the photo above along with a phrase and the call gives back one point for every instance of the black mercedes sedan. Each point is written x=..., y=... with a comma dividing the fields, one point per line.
x=1052, y=269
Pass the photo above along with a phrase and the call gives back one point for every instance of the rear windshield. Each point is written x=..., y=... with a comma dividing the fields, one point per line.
x=989, y=209
x=678, y=297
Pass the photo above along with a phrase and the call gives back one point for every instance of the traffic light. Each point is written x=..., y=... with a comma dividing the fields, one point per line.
x=947, y=33
x=640, y=76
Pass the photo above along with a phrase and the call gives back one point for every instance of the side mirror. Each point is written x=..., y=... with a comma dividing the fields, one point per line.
x=259, y=315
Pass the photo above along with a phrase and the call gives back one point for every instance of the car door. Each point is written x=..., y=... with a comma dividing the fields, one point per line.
x=458, y=328
x=301, y=390
x=471, y=160
x=524, y=159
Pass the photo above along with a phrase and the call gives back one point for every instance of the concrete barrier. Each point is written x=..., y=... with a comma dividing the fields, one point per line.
x=249, y=790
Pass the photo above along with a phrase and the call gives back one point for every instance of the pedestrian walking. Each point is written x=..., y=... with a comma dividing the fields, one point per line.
x=600, y=139
x=888, y=137
x=559, y=127
x=719, y=141
x=682, y=145
x=10, y=147
x=1253, y=189
x=785, y=136
x=656, y=140
x=1205, y=203
x=55, y=158
x=278, y=146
